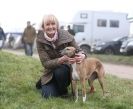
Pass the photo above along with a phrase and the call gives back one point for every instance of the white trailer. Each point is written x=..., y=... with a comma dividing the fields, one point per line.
x=93, y=26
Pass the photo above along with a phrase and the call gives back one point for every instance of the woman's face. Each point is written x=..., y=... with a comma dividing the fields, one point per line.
x=50, y=27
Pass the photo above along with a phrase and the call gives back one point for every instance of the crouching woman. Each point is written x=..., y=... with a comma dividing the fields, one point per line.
x=50, y=41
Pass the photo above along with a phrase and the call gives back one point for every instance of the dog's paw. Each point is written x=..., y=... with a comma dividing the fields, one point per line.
x=92, y=91
x=84, y=98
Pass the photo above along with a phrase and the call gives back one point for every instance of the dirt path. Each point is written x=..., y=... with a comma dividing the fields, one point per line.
x=121, y=71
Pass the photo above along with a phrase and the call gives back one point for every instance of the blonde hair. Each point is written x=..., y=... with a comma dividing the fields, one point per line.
x=49, y=18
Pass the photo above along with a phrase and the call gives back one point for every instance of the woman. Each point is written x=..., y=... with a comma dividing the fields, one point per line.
x=50, y=41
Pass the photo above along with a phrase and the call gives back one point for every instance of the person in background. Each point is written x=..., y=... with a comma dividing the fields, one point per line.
x=62, y=27
x=71, y=31
x=28, y=38
x=57, y=69
x=2, y=37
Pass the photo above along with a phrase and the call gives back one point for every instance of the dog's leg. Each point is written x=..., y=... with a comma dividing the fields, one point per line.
x=72, y=87
x=101, y=83
x=92, y=90
x=100, y=74
x=83, y=89
x=75, y=89
x=76, y=92
x=90, y=81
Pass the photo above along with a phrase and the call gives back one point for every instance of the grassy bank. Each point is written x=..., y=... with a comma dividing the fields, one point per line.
x=18, y=75
x=117, y=59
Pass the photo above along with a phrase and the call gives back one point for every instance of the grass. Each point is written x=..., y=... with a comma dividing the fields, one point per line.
x=117, y=59
x=18, y=75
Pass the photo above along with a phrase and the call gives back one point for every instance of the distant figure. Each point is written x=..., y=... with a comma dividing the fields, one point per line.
x=71, y=31
x=2, y=37
x=62, y=27
x=28, y=38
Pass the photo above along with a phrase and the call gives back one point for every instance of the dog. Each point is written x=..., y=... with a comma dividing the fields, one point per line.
x=89, y=69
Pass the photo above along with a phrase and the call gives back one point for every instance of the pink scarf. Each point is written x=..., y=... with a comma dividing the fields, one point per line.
x=52, y=40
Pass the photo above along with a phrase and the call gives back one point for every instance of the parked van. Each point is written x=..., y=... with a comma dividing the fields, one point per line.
x=94, y=26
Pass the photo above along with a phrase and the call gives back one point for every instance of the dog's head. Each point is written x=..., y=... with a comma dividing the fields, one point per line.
x=69, y=51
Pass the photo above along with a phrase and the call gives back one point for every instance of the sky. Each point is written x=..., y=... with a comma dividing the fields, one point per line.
x=15, y=13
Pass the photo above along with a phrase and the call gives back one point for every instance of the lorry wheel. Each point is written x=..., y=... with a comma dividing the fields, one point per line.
x=85, y=48
x=109, y=51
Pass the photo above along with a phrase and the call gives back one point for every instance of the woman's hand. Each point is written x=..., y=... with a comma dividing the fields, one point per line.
x=79, y=57
x=71, y=60
x=63, y=59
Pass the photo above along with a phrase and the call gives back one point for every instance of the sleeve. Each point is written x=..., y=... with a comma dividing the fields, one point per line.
x=34, y=32
x=46, y=61
x=23, y=35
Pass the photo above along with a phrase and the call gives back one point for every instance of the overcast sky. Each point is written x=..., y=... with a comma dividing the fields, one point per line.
x=15, y=13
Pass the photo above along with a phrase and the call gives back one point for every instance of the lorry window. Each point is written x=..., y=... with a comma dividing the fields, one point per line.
x=101, y=23
x=83, y=15
x=78, y=28
x=114, y=23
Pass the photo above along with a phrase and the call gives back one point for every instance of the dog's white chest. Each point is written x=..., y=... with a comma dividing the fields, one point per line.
x=75, y=75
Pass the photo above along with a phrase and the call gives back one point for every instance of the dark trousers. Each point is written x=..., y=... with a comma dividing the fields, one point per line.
x=58, y=85
x=28, y=49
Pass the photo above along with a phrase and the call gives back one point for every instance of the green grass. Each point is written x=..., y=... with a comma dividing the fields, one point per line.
x=18, y=75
